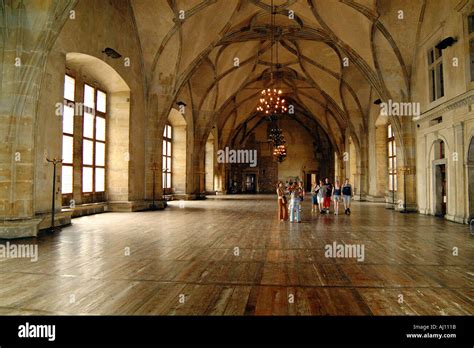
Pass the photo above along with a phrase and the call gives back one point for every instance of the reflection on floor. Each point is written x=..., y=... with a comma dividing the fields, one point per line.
x=231, y=256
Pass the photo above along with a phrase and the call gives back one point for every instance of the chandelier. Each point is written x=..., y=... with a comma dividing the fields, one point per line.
x=276, y=137
x=279, y=153
x=271, y=102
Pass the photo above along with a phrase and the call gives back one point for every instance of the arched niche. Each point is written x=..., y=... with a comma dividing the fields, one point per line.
x=210, y=157
x=440, y=196
x=179, y=140
x=118, y=157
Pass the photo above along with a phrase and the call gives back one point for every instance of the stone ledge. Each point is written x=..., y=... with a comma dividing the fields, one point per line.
x=88, y=209
x=184, y=196
x=19, y=228
x=130, y=206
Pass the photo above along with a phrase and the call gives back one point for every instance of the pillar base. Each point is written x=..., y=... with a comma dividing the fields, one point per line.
x=186, y=196
x=410, y=208
x=19, y=228
x=61, y=218
x=378, y=199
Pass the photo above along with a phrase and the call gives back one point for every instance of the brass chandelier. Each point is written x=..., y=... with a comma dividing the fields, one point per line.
x=271, y=102
x=279, y=152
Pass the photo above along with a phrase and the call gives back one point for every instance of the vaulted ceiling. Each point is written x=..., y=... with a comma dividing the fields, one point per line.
x=336, y=57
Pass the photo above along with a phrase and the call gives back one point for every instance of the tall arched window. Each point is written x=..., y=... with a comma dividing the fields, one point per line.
x=167, y=151
x=89, y=161
x=392, y=160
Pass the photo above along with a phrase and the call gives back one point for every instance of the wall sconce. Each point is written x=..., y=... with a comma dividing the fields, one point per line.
x=110, y=52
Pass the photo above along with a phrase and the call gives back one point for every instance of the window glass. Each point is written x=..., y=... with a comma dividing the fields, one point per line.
x=88, y=125
x=69, y=88
x=99, y=154
x=100, y=128
x=68, y=119
x=99, y=179
x=88, y=150
x=66, y=179
x=67, y=149
x=89, y=96
x=87, y=179
x=101, y=101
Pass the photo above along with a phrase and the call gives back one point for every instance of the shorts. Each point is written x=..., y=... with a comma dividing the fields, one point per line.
x=347, y=199
x=336, y=198
x=314, y=199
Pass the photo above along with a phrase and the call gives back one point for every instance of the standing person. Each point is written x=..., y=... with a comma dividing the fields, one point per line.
x=347, y=196
x=336, y=196
x=321, y=193
x=314, y=197
x=328, y=194
x=295, y=202
x=282, y=202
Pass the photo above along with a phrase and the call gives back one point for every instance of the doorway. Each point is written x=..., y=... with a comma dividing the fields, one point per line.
x=440, y=190
x=310, y=181
x=250, y=183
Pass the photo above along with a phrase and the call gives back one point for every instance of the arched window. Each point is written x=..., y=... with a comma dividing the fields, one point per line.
x=167, y=153
x=92, y=106
x=392, y=160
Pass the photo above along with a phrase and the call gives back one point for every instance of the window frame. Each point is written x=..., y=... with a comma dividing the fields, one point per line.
x=436, y=74
x=392, y=159
x=167, y=185
x=93, y=196
x=470, y=50
x=68, y=197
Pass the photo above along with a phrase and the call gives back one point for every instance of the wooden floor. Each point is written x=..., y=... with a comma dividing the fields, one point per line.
x=187, y=253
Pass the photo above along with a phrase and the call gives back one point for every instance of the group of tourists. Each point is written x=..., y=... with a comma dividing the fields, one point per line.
x=322, y=194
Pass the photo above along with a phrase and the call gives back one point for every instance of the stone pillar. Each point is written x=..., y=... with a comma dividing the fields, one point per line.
x=406, y=158
x=23, y=57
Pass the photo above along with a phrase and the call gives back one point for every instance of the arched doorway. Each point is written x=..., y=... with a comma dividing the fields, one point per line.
x=209, y=165
x=439, y=179
x=177, y=139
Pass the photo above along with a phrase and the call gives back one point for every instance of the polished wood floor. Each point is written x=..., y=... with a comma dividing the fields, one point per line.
x=232, y=256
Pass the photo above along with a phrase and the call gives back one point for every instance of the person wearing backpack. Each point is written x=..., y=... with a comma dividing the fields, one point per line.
x=347, y=196
x=314, y=197
x=327, y=195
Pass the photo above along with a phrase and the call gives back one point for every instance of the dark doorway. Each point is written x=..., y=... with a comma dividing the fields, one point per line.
x=310, y=181
x=250, y=186
x=440, y=190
